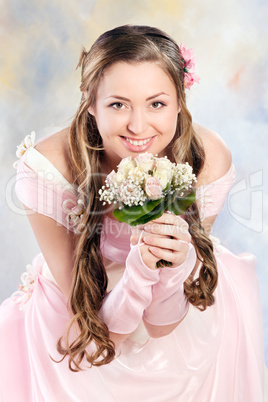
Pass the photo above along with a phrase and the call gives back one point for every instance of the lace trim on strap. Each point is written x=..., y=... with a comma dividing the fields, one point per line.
x=211, y=197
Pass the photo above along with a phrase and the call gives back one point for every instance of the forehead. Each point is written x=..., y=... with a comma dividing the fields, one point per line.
x=133, y=77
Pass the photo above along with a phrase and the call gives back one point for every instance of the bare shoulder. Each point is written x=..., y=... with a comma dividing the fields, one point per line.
x=218, y=155
x=56, y=149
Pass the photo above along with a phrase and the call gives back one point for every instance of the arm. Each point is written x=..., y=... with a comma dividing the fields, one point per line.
x=57, y=245
x=169, y=305
x=218, y=161
x=56, y=242
x=123, y=307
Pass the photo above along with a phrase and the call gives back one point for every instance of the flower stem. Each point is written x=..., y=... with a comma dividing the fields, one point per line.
x=163, y=264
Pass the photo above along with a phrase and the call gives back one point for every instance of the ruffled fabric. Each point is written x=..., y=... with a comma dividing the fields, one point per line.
x=28, y=343
x=212, y=356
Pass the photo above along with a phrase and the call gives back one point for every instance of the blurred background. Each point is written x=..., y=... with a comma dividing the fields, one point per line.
x=39, y=87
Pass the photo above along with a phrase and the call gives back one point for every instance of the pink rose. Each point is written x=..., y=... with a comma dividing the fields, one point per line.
x=153, y=188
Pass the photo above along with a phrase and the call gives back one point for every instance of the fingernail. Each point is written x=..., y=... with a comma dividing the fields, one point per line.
x=148, y=239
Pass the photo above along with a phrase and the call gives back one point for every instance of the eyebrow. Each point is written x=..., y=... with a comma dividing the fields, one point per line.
x=128, y=100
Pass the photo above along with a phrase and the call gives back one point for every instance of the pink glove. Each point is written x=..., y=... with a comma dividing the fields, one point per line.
x=123, y=307
x=169, y=304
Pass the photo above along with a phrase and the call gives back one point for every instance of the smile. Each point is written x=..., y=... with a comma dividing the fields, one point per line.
x=137, y=143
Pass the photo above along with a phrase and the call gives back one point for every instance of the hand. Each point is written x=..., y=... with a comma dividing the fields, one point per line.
x=164, y=238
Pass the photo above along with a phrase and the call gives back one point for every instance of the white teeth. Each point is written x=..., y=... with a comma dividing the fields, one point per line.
x=138, y=143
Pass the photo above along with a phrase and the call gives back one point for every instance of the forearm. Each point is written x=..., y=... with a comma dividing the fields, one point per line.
x=169, y=304
x=123, y=307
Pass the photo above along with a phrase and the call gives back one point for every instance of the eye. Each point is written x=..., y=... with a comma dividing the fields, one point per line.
x=117, y=105
x=157, y=105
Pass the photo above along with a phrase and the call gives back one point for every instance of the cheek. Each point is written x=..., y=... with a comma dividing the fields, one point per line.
x=103, y=123
x=168, y=122
x=111, y=123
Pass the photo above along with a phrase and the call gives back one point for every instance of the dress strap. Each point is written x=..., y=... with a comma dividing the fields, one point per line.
x=41, y=189
x=44, y=168
x=211, y=197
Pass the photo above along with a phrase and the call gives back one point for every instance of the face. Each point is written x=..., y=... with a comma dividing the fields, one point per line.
x=136, y=111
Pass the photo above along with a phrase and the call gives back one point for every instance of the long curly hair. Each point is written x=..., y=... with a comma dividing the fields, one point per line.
x=131, y=44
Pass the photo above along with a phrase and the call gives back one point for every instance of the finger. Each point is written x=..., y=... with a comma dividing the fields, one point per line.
x=174, y=245
x=148, y=258
x=168, y=230
x=164, y=254
x=172, y=219
x=135, y=234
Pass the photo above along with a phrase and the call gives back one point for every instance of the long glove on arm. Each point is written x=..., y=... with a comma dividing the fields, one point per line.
x=169, y=304
x=123, y=307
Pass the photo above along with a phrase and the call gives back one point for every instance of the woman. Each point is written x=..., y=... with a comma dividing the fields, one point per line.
x=185, y=333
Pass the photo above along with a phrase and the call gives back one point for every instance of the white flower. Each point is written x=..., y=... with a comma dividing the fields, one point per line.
x=26, y=289
x=133, y=184
x=131, y=193
x=28, y=142
x=164, y=176
x=123, y=168
x=164, y=163
x=75, y=213
x=111, y=176
x=119, y=177
x=183, y=176
x=145, y=161
x=163, y=171
x=137, y=174
x=124, y=162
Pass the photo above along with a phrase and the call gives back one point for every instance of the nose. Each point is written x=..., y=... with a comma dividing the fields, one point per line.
x=137, y=122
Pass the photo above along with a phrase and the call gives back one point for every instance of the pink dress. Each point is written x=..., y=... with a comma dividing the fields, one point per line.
x=212, y=356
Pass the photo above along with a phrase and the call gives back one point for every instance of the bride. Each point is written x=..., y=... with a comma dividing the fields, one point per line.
x=93, y=318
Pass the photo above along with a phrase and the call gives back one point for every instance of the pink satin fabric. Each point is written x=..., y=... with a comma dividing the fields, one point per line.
x=169, y=304
x=43, y=194
x=123, y=307
x=212, y=356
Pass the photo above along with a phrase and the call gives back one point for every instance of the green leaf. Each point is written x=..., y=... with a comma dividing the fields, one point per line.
x=153, y=209
x=167, y=186
x=180, y=204
x=148, y=217
x=130, y=214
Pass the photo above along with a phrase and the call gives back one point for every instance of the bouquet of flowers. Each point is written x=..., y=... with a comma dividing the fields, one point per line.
x=145, y=187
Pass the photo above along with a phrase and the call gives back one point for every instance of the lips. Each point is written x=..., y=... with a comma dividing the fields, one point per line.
x=140, y=141
x=137, y=148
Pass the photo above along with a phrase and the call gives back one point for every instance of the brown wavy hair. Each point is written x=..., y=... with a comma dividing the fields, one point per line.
x=131, y=44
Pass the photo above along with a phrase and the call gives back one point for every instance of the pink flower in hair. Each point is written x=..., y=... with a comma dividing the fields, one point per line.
x=190, y=79
x=188, y=66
